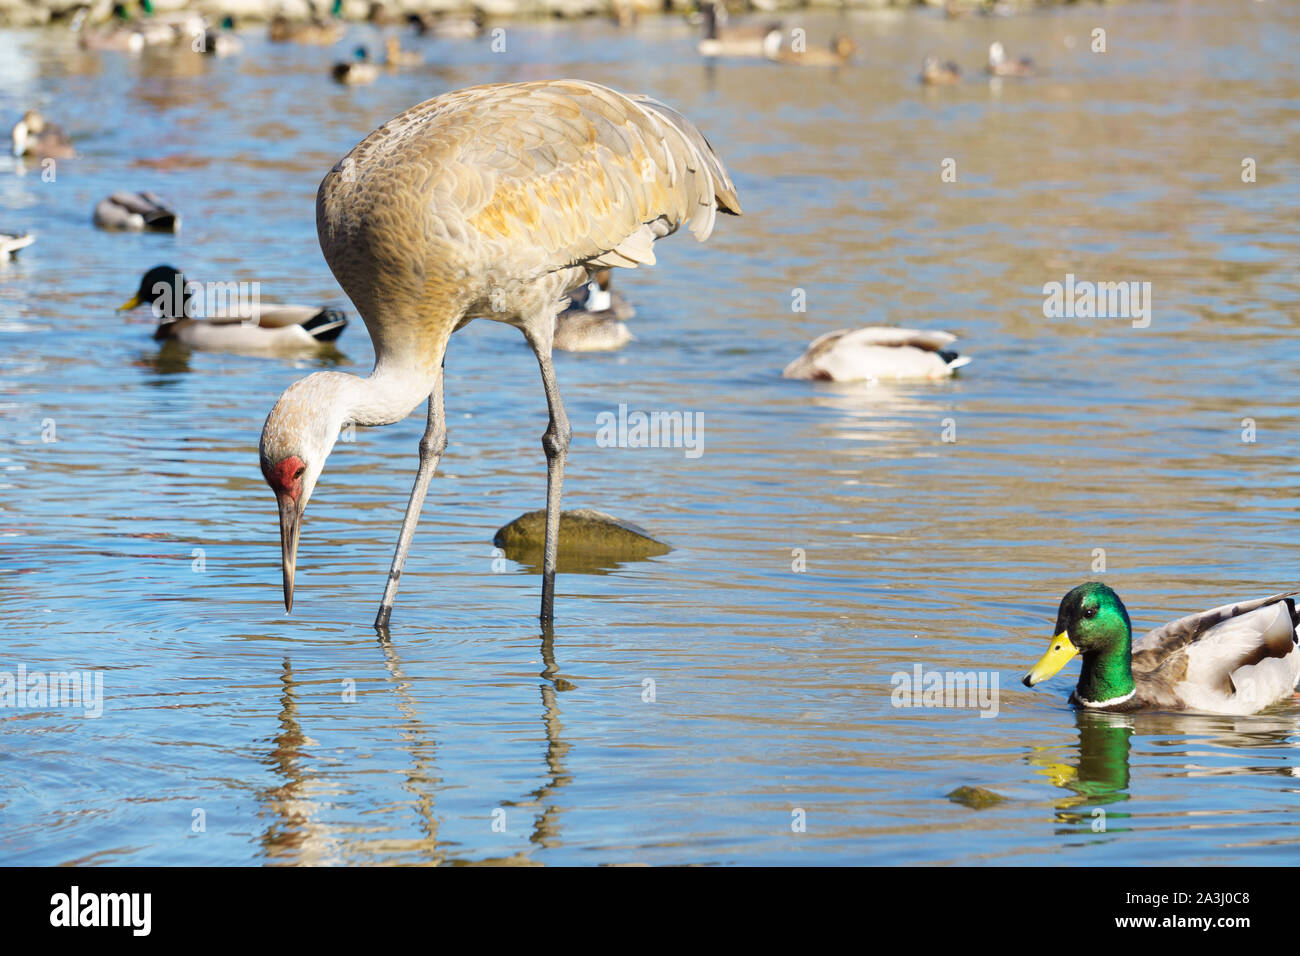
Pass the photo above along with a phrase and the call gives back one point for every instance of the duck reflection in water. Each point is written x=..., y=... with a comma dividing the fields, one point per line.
x=1098, y=777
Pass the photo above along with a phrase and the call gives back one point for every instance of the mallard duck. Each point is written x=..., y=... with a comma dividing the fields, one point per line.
x=935, y=72
x=839, y=52
x=720, y=40
x=1236, y=659
x=33, y=136
x=122, y=35
x=11, y=242
x=447, y=26
x=222, y=41
x=134, y=212
x=318, y=31
x=356, y=72
x=395, y=58
x=270, y=328
x=877, y=352
x=593, y=321
x=1000, y=65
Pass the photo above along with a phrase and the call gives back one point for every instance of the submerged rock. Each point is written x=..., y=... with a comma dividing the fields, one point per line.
x=977, y=798
x=590, y=540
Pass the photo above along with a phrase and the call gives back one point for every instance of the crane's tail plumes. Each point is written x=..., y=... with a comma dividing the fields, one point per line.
x=714, y=187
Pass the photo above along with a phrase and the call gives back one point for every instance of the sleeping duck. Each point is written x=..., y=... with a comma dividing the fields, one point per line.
x=877, y=353
x=133, y=212
x=270, y=328
x=11, y=242
x=33, y=136
x=1236, y=659
x=593, y=321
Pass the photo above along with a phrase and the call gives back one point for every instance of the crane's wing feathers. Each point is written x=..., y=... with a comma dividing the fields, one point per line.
x=588, y=174
x=474, y=193
x=572, y=169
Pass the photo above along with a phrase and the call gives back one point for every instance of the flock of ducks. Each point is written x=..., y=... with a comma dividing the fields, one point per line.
x=771, y=40
x=1236, y=659
x=936, y=72
x=767, y=41
x=597, y=315
x=181, y=28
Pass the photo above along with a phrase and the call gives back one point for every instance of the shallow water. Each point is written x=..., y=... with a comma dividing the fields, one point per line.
x=143, y=543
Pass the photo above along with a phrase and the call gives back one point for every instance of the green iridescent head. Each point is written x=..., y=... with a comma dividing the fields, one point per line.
x=1091, y=622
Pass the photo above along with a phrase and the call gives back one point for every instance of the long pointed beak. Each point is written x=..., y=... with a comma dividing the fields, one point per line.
x=1059, y=653
x=129, y=304
x=290, y=518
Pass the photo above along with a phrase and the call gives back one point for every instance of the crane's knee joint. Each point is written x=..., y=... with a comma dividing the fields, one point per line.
x=556, y=442
x=433, y=444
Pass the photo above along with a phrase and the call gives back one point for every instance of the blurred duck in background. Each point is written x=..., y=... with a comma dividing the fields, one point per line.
x=11, y=242
x=135, y=212
x=593, y=321
x=395, y=58
x=358, y=71
x=749, y=40
x=840, y=51
x=34, y=136
x=120, y=34
x=935, y=72
x=447, y=26
x=1001, y=65
x=318, y=31
x=222, y=41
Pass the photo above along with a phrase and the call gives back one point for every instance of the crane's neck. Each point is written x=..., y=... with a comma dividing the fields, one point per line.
x=388, y=394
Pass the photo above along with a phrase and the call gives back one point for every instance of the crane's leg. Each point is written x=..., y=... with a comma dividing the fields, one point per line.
x=432, y=446
x=555, y=442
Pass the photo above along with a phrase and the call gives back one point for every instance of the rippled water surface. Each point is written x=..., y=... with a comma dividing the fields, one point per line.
x=142, y=543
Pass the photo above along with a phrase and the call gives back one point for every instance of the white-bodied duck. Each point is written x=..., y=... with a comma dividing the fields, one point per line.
x=878, y=353
x=268, y=328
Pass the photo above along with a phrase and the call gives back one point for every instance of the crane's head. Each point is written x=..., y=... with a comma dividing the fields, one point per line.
x=298, y=436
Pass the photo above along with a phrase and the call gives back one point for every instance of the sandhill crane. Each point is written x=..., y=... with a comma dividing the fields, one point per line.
x=493, y=201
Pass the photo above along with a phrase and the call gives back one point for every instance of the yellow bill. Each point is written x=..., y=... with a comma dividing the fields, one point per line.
x=130, y=303
x=1059, y=653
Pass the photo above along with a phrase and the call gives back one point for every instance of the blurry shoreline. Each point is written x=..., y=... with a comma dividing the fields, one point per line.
x=56, y=13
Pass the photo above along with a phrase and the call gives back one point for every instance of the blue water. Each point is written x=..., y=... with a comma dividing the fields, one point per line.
x=143, y=544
